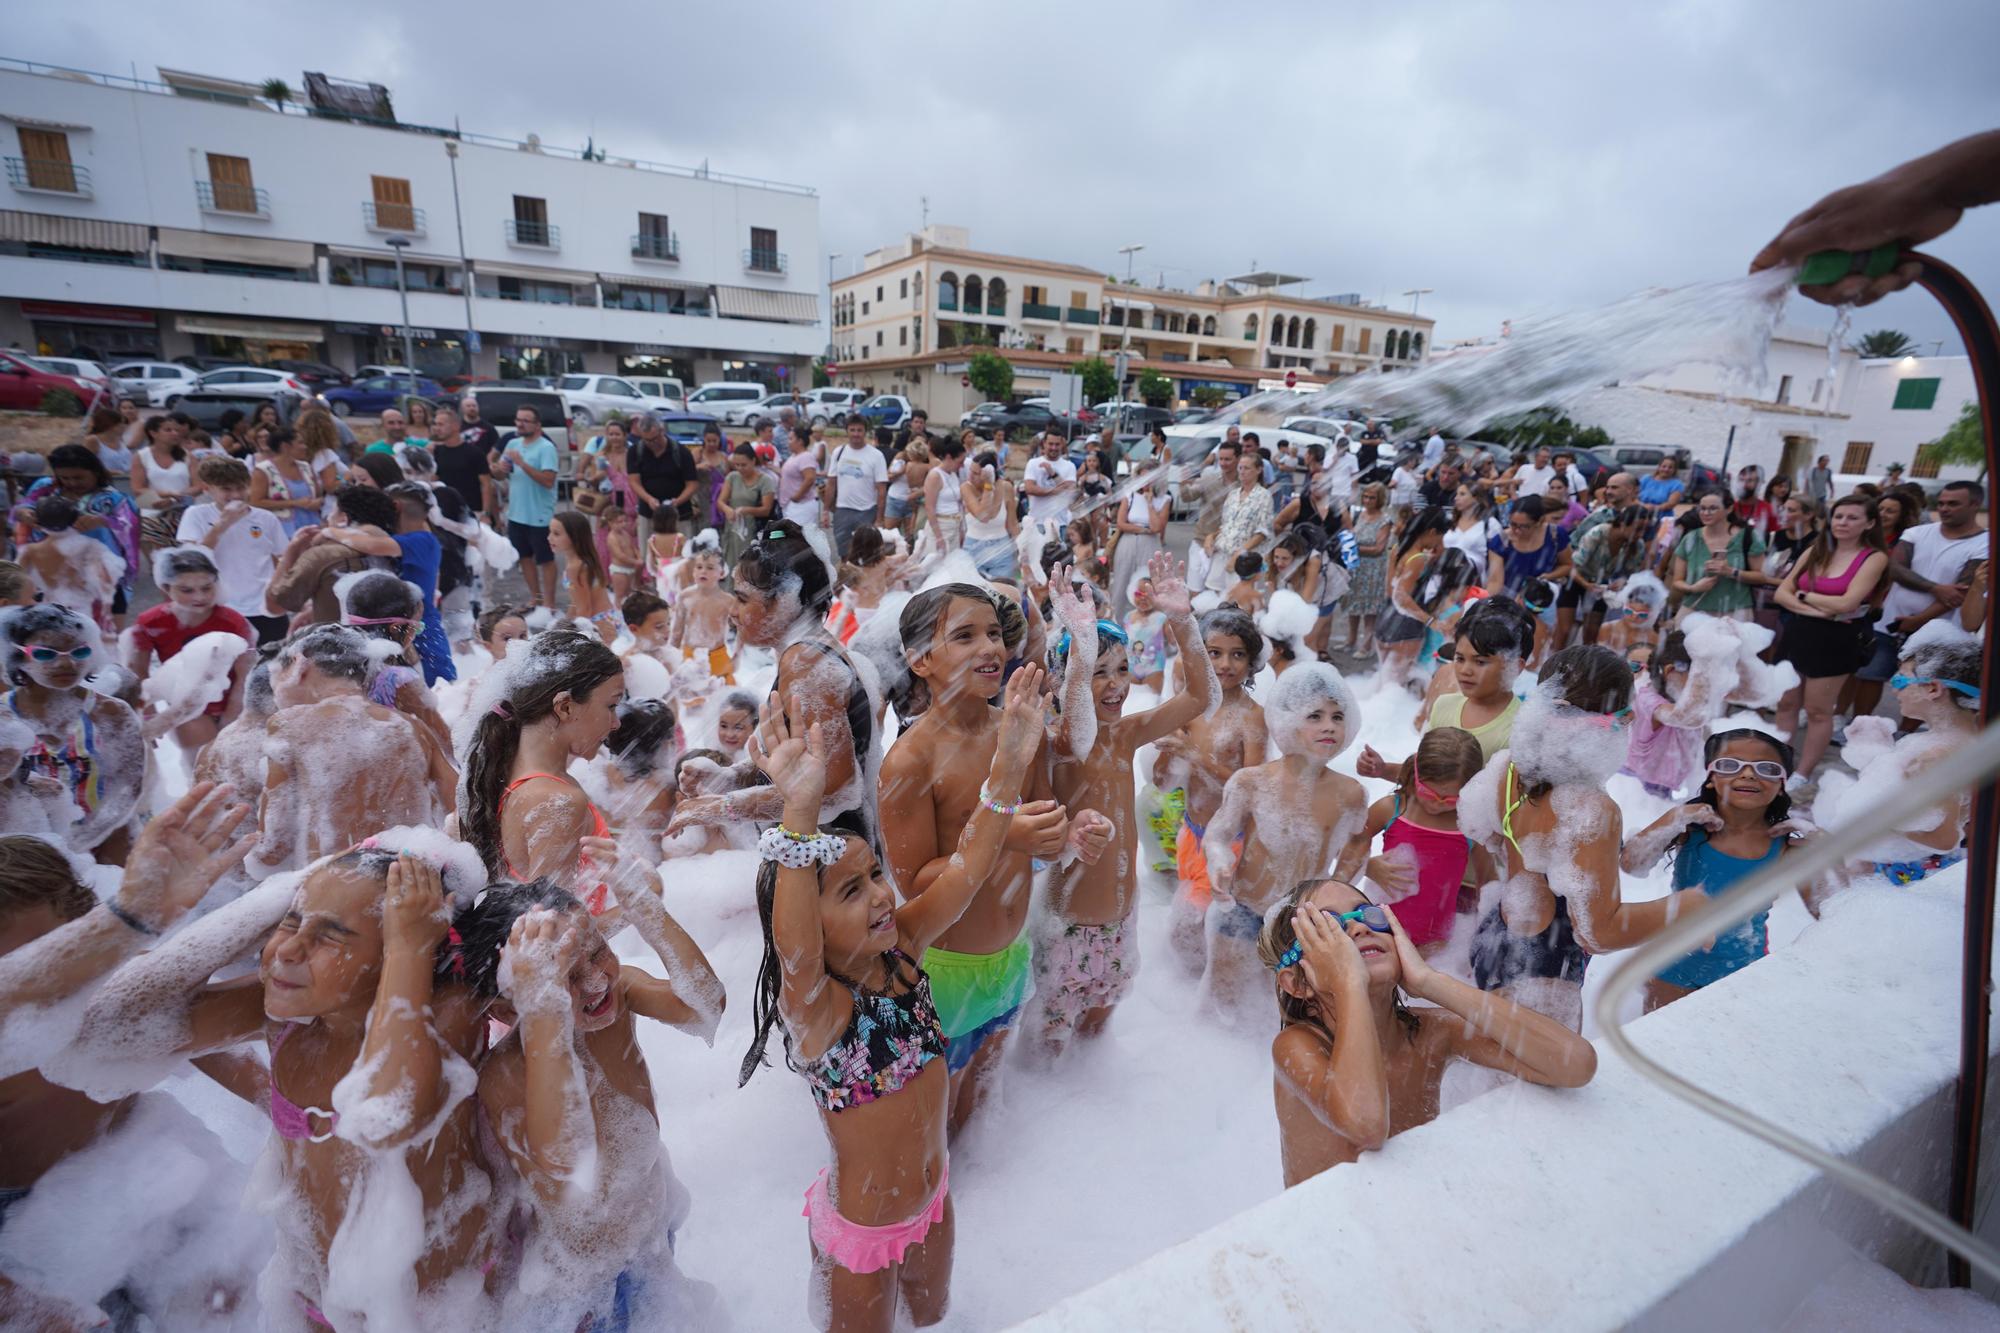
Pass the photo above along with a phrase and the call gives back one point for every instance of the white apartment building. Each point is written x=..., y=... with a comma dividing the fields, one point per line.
x=909, y=318
x=193, y=216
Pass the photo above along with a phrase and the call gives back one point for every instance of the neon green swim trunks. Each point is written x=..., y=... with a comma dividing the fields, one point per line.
x=971, y=990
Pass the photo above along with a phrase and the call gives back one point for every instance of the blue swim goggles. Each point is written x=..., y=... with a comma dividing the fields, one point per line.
x=1108, y=629
x=1368, y=914
x=1902, y=682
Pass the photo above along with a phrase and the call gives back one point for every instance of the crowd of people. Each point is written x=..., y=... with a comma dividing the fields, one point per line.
x=341, y=829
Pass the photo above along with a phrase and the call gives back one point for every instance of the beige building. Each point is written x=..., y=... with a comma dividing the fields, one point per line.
x=909, y=319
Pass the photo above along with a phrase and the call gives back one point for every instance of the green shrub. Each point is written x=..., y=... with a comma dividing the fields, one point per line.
x=61, y=403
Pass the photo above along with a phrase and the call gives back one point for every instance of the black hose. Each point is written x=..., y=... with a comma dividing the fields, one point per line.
x=1968, y=310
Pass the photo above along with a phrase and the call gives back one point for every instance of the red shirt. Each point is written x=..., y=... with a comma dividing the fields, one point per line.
x=1757, y=514
x=161, y=631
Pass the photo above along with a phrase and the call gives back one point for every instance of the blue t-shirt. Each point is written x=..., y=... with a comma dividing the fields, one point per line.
x=1655, y=492
x=421, y=554
x=1517, y=567
x=528, y=502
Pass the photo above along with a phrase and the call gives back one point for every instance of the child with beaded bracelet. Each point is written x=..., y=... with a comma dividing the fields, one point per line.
x=1086, y=950
x=870, y=1044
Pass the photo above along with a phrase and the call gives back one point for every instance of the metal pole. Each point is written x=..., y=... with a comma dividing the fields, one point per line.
x=400, y=244
x=464, y=268
x=1728, y=446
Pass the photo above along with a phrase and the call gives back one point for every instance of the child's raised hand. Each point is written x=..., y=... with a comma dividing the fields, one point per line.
x=1075, y=611
x=1370, y=764
x=1395, y=874
x=1327, y=954
x=796, y=765
x=1797, y=826
x=414, y=916
x=1089, y=834
x=1039, y=828
x=1417, y=971
x=1024, y=714
x=182, y=852
x=1700, y=813
x=1170, y=590
x=535, y=966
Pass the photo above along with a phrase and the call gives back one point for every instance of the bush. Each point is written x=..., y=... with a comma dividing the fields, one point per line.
x=1208, y=395
x=1099, y=380
x=1156, y=389
x=992, y=375
x=61, y=403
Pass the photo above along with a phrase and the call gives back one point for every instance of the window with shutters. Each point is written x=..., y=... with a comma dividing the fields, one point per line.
x=393, y=210
x=1914, y=395
x=1926, y=462
x=1362, y=346
x=1855, y=460
x=45, y=162
x=230, y=186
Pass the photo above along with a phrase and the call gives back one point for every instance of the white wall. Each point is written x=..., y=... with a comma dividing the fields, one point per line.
x=1896, y=434
x=1617, y=1205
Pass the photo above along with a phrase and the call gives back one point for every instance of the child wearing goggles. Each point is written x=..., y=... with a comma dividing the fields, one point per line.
x=86, y=759
x=1355, y=1066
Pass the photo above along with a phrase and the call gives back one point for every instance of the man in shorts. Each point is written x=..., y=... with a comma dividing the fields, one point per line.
x=529, y=460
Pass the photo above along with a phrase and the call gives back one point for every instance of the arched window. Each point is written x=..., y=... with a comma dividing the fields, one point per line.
x=1312, y=332
x=1292, y=333
x=947, y=291
x=975, y=294
x=1403, y=345
x=996, y=297
x=1208, y=327
x=1250, y=329
x=1417, y=346
x=917, y=283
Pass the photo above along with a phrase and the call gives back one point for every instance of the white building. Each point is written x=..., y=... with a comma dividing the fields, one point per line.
x=191, y=216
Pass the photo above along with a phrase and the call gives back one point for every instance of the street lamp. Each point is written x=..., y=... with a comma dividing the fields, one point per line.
x=833, y=255
x=1417, y=294
x=400, y=244
x=1125, y=336
x=464, y=269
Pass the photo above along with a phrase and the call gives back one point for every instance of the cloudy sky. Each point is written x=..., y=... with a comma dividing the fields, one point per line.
x=1516, y=158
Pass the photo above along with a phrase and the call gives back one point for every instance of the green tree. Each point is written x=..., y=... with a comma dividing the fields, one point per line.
x=991, y=374
x=1099, y=381
x=1208, y=395
x=276, y=90
x=821, y=379
x=1545, y=426
x=1155, y=388
x=1885, y=343
x=1962, y=444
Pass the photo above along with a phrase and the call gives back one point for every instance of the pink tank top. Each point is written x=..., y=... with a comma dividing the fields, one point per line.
x=1442, y=855
x=1833, y=587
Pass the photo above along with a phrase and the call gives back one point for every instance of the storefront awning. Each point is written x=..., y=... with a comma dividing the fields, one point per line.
x=665, y=284
x=257, y=330
x=82, y=233
x=527, y=274
x=388, y=256
x=1128, y=303
x=235, y=249
x=752, y=303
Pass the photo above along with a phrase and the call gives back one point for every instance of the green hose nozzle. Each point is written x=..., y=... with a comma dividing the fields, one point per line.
x=1830, y=266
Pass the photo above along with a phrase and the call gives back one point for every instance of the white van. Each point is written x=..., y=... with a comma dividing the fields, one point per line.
x=718, y=397
x=661, y=386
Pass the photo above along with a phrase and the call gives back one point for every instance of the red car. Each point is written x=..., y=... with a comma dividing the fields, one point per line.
x=23, y=384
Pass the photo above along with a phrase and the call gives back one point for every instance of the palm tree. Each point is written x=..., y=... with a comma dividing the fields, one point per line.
x=276, y=90
x=1885, y=343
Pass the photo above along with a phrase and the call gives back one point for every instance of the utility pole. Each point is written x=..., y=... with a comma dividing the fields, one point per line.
x=829, y=301
x=400, y=244
x=1417, y=294
x=1125, y=341
x=464, y=269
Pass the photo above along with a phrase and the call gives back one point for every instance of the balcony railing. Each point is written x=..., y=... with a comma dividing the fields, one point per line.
x=228, y=197
x=947, y=303
x=662, y=246
x=1078, y=315
x=764, y=261
x=50, y=175
x=1052, y=313
x=396, y=219
x=533, y=234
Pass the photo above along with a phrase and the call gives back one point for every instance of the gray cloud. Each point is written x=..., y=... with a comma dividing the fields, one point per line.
x=1517, y=159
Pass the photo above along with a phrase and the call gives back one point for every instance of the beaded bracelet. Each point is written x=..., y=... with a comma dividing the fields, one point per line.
x=796, y=853
x=989, y=803
x=134, y=922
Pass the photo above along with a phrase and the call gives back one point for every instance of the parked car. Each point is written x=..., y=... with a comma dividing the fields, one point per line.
x=498, y=403
x=84, y=371
x=666, y=389
x=592, y=398
x=318, y=375
x=766, y=408
x=1327, y=428
x=1031, y=416
x=832, y=405
x=718, y=396
x=23, y=383
x=371, y=395
x=965, y=417
x=885, y=409
x=208, y=406
x=686, y=427
x=373, y=371
x=160, y=382
x=253, y=380
x=1132, y=421
x=1192, y=416
x=202, y=363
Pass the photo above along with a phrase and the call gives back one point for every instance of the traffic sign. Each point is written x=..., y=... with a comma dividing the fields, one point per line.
x=1291, y=379
x=965, y=381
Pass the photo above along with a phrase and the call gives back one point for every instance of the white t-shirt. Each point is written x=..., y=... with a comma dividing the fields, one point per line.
x=1936, y=558
x=856, y=473
x=1044, y=472
x=1433, y=451
x=245, y=556
x=1404, y=483
x=1341, y=472
x=1472, y=542
x=1533, y=480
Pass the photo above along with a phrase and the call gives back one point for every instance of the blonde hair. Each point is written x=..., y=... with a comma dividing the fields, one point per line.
x=1374, y=491
x=1276, y=939
x=916, y=451
x=315, y=428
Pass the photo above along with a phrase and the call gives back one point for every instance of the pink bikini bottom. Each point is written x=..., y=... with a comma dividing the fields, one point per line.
x=861, y=1249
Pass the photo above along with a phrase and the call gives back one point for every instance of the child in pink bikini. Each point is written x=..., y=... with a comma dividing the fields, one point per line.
x=1425, y=858
x=860, y=1025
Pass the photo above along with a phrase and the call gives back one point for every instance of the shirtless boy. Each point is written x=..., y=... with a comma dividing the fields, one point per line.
x=701, y=620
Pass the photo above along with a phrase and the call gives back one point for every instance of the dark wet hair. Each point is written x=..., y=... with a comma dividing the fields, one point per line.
x=77, y=458
x=645, y=728
x=365, y=504
x=483, y=929
x=337, y=650
x=383, y=468
x=1593, y=678
x=917, y=628
x=639, y=605
x=558, y=662
x=1434, y=518
x=55, y=512
x=489, y=619
x=1443, y=577
x=25, y=622
x=781, y=551
x=1776, y=812
x=865, y=547
x=584, y=544
x=1496, y=626
x=1239, y=626
x=412, y=500
x=379, y=595
x=1672, y=652
x=34, y=873
x=187, y=560
x=1249, y=565
x=1538, y=595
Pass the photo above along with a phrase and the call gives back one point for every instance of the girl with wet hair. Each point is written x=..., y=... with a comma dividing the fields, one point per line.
x=108, y=515
x=1739, y=824
x=1355, y=1066
x=87, y=747
x=552, y=700
x=1540, y=807
x=1399, y=630
x=634, y=780
x=1426, y=860
x=589, y=588
x=783, y=587
x=390, y=609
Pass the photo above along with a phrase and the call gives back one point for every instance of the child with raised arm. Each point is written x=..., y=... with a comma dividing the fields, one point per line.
x=570, y=1098
x=188, y=575
x=382, y=1208
x=1541, y=805
x=860, y=1023
x=1354, y=1065
x=930, y=789
x=1198, y=759
x=1086, y=950
x=88, y=750
x=1292, y=816
x=1426, y=864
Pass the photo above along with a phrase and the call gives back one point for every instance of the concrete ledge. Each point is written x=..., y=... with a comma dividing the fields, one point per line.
x=1618, y=1205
